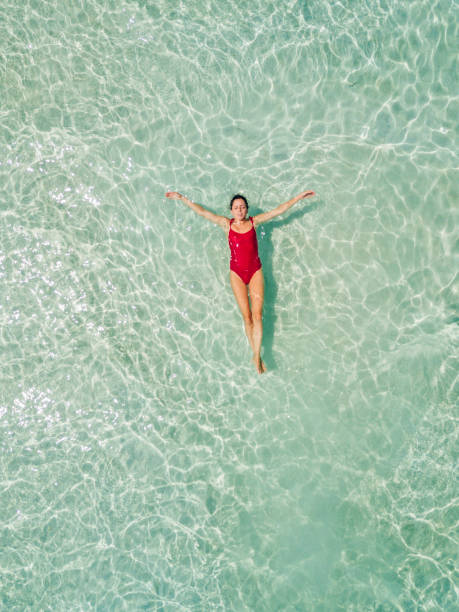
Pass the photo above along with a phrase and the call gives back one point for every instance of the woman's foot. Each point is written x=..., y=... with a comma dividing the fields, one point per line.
x=261, y=368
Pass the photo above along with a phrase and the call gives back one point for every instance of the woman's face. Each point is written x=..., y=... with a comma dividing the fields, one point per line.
x=239, y=209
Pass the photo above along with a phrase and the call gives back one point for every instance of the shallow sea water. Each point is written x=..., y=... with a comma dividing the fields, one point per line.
x=144, y=465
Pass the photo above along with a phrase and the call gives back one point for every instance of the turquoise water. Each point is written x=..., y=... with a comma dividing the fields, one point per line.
x=144, y=464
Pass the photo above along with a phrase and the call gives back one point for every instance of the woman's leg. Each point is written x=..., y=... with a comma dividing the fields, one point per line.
x=240, y=293
x=257, y=289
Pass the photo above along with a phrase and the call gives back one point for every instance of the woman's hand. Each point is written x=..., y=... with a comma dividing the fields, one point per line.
x=174, y=195
x=306, y=194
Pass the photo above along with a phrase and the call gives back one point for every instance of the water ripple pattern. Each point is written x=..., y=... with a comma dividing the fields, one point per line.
x=144, y=465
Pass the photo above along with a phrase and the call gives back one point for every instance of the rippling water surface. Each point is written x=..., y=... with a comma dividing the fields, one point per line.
x=144, y=464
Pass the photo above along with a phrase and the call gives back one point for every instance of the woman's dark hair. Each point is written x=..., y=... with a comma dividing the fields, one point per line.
x=238, y=196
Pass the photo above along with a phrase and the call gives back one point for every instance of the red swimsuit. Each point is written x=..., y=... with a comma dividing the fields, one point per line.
x=244, y=253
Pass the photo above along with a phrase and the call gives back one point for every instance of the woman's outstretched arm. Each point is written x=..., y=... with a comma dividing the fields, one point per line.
x=200, y=210
x=275, y=212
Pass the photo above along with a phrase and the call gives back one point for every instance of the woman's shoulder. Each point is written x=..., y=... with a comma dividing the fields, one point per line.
x=226, y=223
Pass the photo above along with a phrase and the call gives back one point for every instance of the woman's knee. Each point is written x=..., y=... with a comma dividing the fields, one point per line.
x=257, y=315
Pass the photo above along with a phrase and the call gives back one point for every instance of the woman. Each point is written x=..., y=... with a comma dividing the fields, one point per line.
x=246, y=275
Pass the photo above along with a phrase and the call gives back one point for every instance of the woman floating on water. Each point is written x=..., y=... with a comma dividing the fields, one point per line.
x=245, y=265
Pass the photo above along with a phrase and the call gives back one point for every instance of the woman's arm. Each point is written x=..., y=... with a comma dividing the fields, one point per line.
x=200, y=210
x=275, y=212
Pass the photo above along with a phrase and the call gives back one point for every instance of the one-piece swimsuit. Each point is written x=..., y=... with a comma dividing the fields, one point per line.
x=244, y=252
